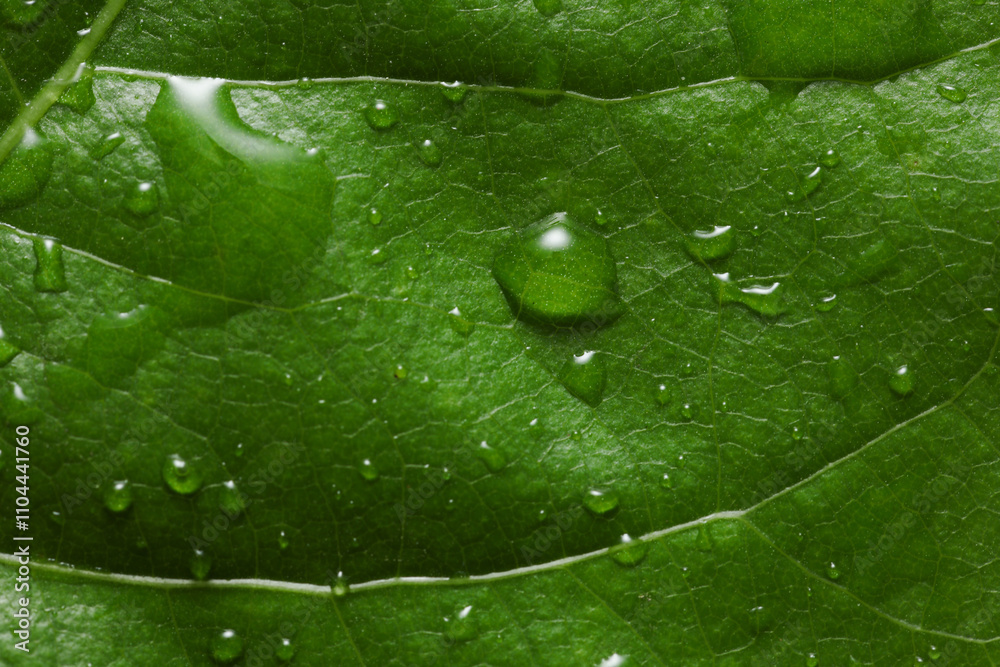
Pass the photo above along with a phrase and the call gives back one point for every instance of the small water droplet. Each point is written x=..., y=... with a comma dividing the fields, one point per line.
x=454, y=91
x=901, y=382
x=368, y=470
x=7, y=350
x=766, y=300
x=285, y=650
x=200, y=565
x=118, y=496
x=706, y=246
x=704, y=538
x=934, y=653
x=557, y=272
x=600, y=501
x=812, y=660
x=26, y=170
x=461, y=627
x=827, y=303
x=662, y=394
x=377, y=256
x=458, y=324
x=232, y=500
x=57, y=518
x=952, y=93
x=687, y=411
x=808, y=185
x=429, y=152
x=381, y=115
x=548, y=8
x=283, y=541
x=50, y=272
x=143, y=199
x=374, y=216
x=666, y=482
x=576, y=436
x=181, y=476
x=340, y=587
x=493, y=459
x=106, y=145
x=584, y=376
x=629, y=552
x=399, y=372
x=796, y=433
x=80, y=96
x=305, y=83
x=832, y=571
x=227, y=647
x=830, y=159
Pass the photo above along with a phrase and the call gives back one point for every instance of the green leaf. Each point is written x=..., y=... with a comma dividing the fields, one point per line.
x=308, y=379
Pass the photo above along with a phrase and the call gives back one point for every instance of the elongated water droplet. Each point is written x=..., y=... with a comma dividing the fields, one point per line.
x=143, y=199
x=374, y=216
x=584, y=375
x=106, y=145
x=7, y=350
x=548, y=8
x=629, y=552
x=80, y=95
x=285, y=650
x=830, y=159
x=462, y=626
x=381, y=115
x=200, y=564
x=232, y=500
x=808, y=185
x=901, y=382
x=340, y=587
x=25, y=172
x=826, y=304
x=952, y=93
x=763, y=299
x=556, y=272
x=454, y=91
x=429, y=152
x=50, y=272
x=227, y=647
x=706, y=246
x=368, y=470
x=704, y=538
x=600, y=501
x=118, y=496
x=181, y=476
x=842, y=377
x=492, y=458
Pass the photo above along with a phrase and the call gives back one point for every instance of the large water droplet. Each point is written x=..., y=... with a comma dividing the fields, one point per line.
x=80, y=95
x=181, y=476
x=901, y=382
x=106, y=145
x=381, y=115
x=227, y=647
x=50, y=272
x=462, y=626
x=200, y=564
x=118, y=496
x=454, y=91
x=952, y=93
x=557, y=272
x=142, y=199
x=429, y=152
x=584, y=376
x=25, y=172
x=763, y=299
x=718, y=243
x=629, y=552
x=601, y=501
x=492, y=458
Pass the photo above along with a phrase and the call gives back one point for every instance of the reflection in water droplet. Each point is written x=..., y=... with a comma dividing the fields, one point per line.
x=462, y=626
x=200, y=564
x=706, y=246
x=182, y=477
x=143, y=199
x=493, y=459
x=377, y=256
x=765, y=300
x=557, y=272
x=106, y=145
x=584, y=376
x=952, y=93
x=629, y=552
x=600, y=501
x=50, y=272
x=381, y=115
x=454, y=91
x=901, y=382
x=429, y=152
x=26, y=170
x=934, y=653
x=368, y=470
x=227, y=647
x=118, y=496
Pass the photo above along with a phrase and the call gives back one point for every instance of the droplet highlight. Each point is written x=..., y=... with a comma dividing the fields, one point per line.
x=952, y=93
x=717, y=243
x=901, y=382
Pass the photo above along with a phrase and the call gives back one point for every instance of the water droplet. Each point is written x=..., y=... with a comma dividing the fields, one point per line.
x=57, y=518
x=182, y=477
x=584, y=376
x=143, y=199
x=80, y=95
x=285, y=650
x=458, y=324
x=26, y=170
x=7, y=350
x=629, y=552
x=662, y=394
x=796, y=433
x=842, y=377
x=576, y=436
x=227, y=647
x=368, y=470
x=118, y=496
x=601, y=501
x=377, y=256
x=704, y=538
x=808, y=186
x=374, y=216
x=283, y=541
x=901, y=382
x=50, y=272
x=493, y=459
x=462, y=626
x=666, y=482
x=548, y=8
x=556, y=272
x=305, y=83
x=934, y=653
x=200, y=565
x=687, y=411
x=399, y=372
x=832, y=571
x=232, y=500
x=827, y=303
x=339, y=587
x=952, y=93
x=429, y=152
x=812, y=660
x=718, y=243
x=454, y=91
x=830, y=159
x=381, y=115
x=766, y=300
x=106, y=145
